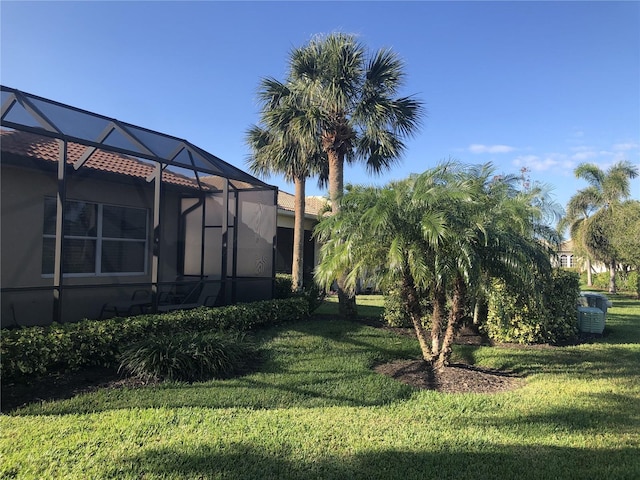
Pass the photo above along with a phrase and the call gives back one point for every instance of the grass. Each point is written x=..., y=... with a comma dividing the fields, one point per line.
x=369, y=306
x=315, y=409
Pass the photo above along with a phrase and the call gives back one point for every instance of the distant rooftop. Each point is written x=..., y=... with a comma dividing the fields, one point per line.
x=314, y=206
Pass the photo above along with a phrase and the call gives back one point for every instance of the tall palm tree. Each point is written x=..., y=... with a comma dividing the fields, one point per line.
x=359, y=115
x=606, y=190
x=580, y=207
x=280, y=145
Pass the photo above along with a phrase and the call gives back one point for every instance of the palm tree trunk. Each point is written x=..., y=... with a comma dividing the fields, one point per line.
x=589, y=273
x=346, y=300
x=412, y=305
x=336, y=179
x=298, y=235
x=437, y=317
x=612, y=276
x=455, y=318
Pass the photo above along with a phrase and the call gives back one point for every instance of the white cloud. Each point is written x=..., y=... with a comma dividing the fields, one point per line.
x=583, y=155
x=625, y=147
x=479, y=148
x=556, y=161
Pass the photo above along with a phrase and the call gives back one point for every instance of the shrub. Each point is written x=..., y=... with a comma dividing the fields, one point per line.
x=314, y=295
x=31, y=351
x=395, y=313
x=284, y=283
x=627, y=281
x=601, y=280
x=188, y=357
x=547, y=315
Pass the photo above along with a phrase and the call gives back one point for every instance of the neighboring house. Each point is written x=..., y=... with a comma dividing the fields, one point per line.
x=566, y=258
x=314, y=208
x=144, y=213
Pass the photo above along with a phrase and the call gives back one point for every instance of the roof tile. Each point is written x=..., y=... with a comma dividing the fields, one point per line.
x=45, y=148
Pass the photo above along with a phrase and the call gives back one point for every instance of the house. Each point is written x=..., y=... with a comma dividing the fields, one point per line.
x=315, y=207
x=567, y=258
x=143, y=212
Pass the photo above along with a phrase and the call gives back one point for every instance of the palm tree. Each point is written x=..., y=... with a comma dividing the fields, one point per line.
x=385, y=234
x=580, y=207
x=433, y=234
x=359, y=115
x=492, y=234
x=606, y=190
x=279, y=145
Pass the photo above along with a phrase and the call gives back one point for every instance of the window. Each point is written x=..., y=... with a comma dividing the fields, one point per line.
x=563, y=261
x=98, y=239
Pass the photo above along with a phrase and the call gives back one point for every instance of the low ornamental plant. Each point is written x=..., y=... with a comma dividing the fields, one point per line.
x=188, y=357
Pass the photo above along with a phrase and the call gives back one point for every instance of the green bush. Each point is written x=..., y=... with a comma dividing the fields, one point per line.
x=31, y=351
x=627, y=281
x=188, y=357
x=601, y=280
x=547, y=315
x=314, y=295
x=284, y=282
x=395, y=313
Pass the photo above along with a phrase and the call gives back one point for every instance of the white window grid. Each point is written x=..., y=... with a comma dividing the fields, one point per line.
x=99, y=239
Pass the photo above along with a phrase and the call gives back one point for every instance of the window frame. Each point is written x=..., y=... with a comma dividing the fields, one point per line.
x=99, y=239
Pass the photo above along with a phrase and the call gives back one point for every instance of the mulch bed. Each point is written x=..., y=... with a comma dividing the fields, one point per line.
x=456, y=378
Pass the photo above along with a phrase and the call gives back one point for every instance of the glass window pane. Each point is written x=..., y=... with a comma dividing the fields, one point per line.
x=49, y=227
x=48, y=255
x=123, y=222
x=122, y=257
x=80, y=219
x=79, y=256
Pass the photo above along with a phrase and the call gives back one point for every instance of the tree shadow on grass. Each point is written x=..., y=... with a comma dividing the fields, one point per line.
x=246, y=461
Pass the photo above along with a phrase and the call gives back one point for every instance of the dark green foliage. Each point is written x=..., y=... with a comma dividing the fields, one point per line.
x=314, y=295
x=601, y=280
x=395, y=310
x=547, y=315
x=625, y=281
x=283, y=285
x=188, y=357
x=30, y=351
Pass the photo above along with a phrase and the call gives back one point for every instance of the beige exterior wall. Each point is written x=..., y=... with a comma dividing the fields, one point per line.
x=22, y=207
x=286, y=220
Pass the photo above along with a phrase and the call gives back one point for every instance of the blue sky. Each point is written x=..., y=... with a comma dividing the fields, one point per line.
x=541, y=85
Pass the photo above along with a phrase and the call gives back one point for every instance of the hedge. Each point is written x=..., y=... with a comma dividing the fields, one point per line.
x=546, y=315
x=31, y=351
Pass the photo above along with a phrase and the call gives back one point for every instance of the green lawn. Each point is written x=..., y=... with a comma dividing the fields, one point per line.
x=315, y=409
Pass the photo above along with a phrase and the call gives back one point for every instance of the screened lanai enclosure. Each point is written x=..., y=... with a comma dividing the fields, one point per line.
x=103, y=218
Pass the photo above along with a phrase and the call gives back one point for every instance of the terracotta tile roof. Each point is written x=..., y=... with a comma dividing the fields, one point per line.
x=45, y=148
x=314, y=206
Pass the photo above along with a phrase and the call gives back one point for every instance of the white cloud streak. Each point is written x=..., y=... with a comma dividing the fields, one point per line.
x=479, y=148
x=625, y=147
